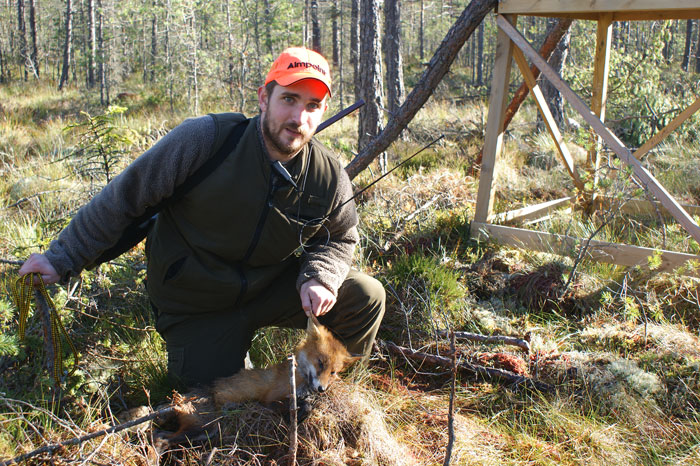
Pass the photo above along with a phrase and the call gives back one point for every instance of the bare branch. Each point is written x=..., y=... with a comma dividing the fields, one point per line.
x=52, y=448
x=519, y=342
x=487, y=373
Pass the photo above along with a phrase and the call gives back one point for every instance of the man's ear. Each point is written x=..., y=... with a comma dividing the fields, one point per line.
x=263, y=98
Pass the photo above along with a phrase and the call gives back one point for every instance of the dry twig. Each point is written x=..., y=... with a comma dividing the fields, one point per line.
x=488, y=373
x=519, y=342
x=52, y=448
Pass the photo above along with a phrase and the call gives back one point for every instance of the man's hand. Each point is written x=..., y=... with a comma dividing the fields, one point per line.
x=316, y=299
x=38, y=263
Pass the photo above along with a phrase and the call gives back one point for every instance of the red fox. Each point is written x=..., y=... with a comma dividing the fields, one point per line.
x=320, y=358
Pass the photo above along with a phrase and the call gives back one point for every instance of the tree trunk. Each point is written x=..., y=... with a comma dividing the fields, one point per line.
x=307, y=21
x=341, y=68
x=336, y=33
x=34, y=54
x=395, y=91
x=154, y=42
x=315, y=27
x=697, y=50
x=2, y=67
x=370, y=118
x=92, y=44
x=551, y=94
x=688, y=42
x=67, y=50
x=101, y=63
x=355, y=46
x=22, y=38
x=668, y=46
x=421, y=32
x=193, y=52
x=169, y=55
x=480, y=56
x=229, y=37
x=460, y=32
x=268, y=25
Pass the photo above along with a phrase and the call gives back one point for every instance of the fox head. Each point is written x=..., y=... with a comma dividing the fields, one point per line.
x=320, y=357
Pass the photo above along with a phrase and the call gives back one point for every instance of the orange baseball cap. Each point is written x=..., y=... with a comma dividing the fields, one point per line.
x=297, y=63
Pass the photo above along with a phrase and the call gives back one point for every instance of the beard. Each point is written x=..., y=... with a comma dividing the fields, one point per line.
x=273, y=136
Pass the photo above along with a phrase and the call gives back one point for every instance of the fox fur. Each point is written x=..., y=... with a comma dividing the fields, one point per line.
x=320, y=358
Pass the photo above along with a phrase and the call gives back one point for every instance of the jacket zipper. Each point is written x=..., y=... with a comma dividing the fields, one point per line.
x=256, y=238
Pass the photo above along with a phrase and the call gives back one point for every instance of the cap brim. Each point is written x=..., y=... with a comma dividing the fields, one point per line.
x=295, y=78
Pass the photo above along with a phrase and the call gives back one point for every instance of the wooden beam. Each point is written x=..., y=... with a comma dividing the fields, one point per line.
x=668, y=129
x=493, y=141
x=547, y=117
x=530, y=212
x=529, y=7
x=642, y=206
x=624, y=15
x=646, y=178
x=600, y=251
x=601, y=70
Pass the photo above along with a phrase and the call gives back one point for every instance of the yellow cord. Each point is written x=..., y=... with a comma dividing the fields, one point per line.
x=22, y=293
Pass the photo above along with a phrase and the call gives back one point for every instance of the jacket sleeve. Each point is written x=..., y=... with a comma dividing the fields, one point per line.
x=329, y=261
x=149, y=179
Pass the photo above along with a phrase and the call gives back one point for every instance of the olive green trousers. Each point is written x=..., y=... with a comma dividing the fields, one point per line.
x=205, y=346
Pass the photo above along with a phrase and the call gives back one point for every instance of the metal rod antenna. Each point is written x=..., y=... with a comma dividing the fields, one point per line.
x=339, y=115
x=384, y=176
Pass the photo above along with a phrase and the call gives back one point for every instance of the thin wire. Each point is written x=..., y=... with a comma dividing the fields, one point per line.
x=320, y=220
x=384, y=176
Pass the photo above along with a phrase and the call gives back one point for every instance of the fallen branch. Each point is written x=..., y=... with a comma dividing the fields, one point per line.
x=519, y=342
x=487, y=373
x=52, y=448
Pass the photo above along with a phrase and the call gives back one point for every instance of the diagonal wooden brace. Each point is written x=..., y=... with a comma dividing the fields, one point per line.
x=547, y=117
x=646, y=178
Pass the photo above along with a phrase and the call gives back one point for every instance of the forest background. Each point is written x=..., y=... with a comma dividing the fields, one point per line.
x=86, y=86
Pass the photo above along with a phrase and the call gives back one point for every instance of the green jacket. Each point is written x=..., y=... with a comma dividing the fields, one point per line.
x=206, y=252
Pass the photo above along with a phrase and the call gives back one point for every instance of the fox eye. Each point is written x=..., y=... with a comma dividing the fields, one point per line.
x=320, y=364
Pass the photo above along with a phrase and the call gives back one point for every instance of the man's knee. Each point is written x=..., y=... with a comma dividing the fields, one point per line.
x=365, y=288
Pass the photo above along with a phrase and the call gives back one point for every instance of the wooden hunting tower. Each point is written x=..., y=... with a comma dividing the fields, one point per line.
x=512, y=45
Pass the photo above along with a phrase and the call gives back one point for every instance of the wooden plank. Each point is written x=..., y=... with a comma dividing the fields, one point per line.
x=599, y=97
x=668, y=129
x=646, y=178
x=493, y=141
x=644, y=207
x=528, y=7
x=625, y=15
x=530, y=212
x=547, y=117
x=563, y=245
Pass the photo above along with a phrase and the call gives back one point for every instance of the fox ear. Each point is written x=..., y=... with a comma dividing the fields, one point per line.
x=312, y=326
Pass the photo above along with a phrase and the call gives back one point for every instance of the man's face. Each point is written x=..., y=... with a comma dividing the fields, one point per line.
x=291, y=115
